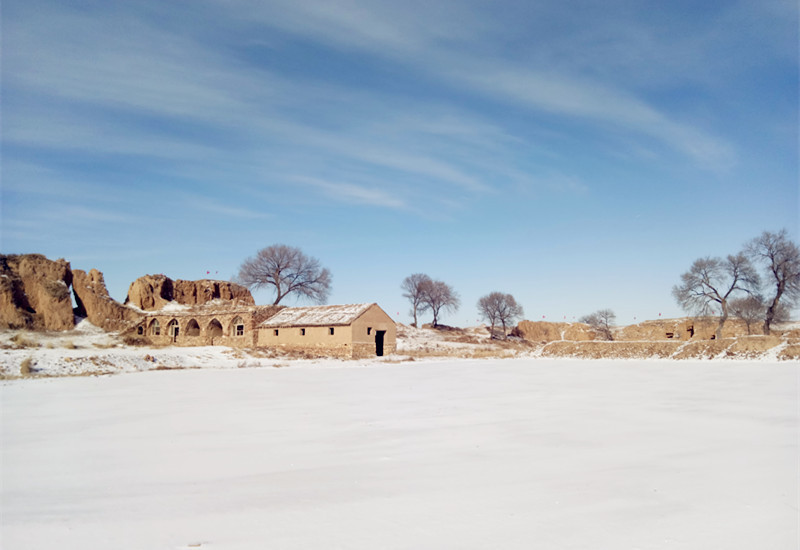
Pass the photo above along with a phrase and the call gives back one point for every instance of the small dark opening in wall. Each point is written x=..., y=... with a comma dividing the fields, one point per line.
x=690, y=330
x=140, y=330
x=302, y=332
x=670, y=334
x=330, y=331
x=369, y=331
x=276, y=332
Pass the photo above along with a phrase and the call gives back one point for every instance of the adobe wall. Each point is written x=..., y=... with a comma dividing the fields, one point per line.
x=318, y=340
x=206, y=333
x=365, y=329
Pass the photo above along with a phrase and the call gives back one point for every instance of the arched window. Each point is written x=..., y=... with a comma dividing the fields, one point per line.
x=173, y=329
x=214, y=328
x=237, y=327
x=192, y=328
x=155, y=328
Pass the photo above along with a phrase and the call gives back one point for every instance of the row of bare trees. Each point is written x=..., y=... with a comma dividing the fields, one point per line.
x=732, y=284
x=735, y=286
x=426, y=294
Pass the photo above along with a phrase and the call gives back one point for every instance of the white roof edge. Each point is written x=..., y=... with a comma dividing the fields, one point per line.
x=328, y=315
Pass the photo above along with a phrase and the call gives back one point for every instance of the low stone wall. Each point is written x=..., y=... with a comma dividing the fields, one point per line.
x=365, y=351
x=743, y=347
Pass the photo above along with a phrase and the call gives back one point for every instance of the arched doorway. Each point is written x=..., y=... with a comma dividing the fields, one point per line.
x=214, y=328
x=192, y=328
x=173, y=329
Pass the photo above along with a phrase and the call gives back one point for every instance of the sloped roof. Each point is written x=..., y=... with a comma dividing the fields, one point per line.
x=316, y=316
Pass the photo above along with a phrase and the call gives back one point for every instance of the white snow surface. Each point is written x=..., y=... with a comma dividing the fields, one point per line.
x=316, y=315
x=448, y=454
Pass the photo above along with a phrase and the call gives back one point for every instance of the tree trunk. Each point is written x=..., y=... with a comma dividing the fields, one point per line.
x=772, y=309
x=722, y=318
x=415, y=317
x=768, y=319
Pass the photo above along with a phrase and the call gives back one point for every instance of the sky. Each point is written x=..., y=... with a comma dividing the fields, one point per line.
x=577, y=155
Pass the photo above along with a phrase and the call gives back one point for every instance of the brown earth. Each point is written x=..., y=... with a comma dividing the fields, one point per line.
x=153, y=292
x=34, y=293
x=205, y=290
x=743, y=347
x=94, y=303
x=702, y=328
x=543, y=331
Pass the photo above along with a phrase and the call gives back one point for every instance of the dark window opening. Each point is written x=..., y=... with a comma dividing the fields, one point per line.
x=331, y=331
x=276, y=332
x=302, y=332
x=670, y=334
x=140, y=330
x=369, y=331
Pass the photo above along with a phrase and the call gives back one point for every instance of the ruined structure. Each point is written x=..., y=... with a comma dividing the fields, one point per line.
x=688, y=328
x=684, y=329
x=213, y=324
x=544, y=331
x=34, y=293
x=153, y=292
x=93, y=302
x=352, y=331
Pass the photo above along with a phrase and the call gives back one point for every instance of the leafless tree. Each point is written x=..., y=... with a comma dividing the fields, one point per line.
x=713, y=281
x=414, y=286
x=749, y=309
x=601, y=321
x=289, y=271
x=498, y=307
x=781, y=260
x=439, y=297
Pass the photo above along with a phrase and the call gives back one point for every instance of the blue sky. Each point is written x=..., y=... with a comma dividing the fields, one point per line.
x=578, y=155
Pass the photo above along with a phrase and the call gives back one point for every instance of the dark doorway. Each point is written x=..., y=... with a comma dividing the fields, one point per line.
x=379, y=334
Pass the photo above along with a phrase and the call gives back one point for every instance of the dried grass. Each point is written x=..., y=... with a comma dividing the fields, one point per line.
x=26, y=367
x=23, y=342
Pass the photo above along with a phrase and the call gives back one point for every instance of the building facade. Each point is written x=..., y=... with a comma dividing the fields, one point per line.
x=352, y=331
x=233, y=326
x=348, y=331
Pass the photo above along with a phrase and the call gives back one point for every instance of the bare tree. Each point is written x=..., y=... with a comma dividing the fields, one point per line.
x=713, y=281
x=498, y=307
x=414, y=286
x=438, y=297
x=601, y=321
x=289, y=271
x=749, y=309
x=781, y=259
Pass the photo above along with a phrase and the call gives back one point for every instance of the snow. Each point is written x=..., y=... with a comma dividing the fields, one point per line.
x=316, y=315
x=513, y=454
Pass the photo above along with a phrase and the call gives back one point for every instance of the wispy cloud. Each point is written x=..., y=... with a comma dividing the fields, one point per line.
x=215, y=207
x=349, y=192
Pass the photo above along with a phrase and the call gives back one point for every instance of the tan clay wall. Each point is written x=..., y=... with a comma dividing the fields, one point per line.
x=365, y=329
x=317, y=340
x=205, y=337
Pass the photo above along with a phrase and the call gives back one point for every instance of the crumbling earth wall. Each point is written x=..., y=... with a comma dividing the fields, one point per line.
x=34, y=293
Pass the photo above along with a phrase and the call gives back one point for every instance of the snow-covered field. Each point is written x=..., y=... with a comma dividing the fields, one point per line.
x=447, y=454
